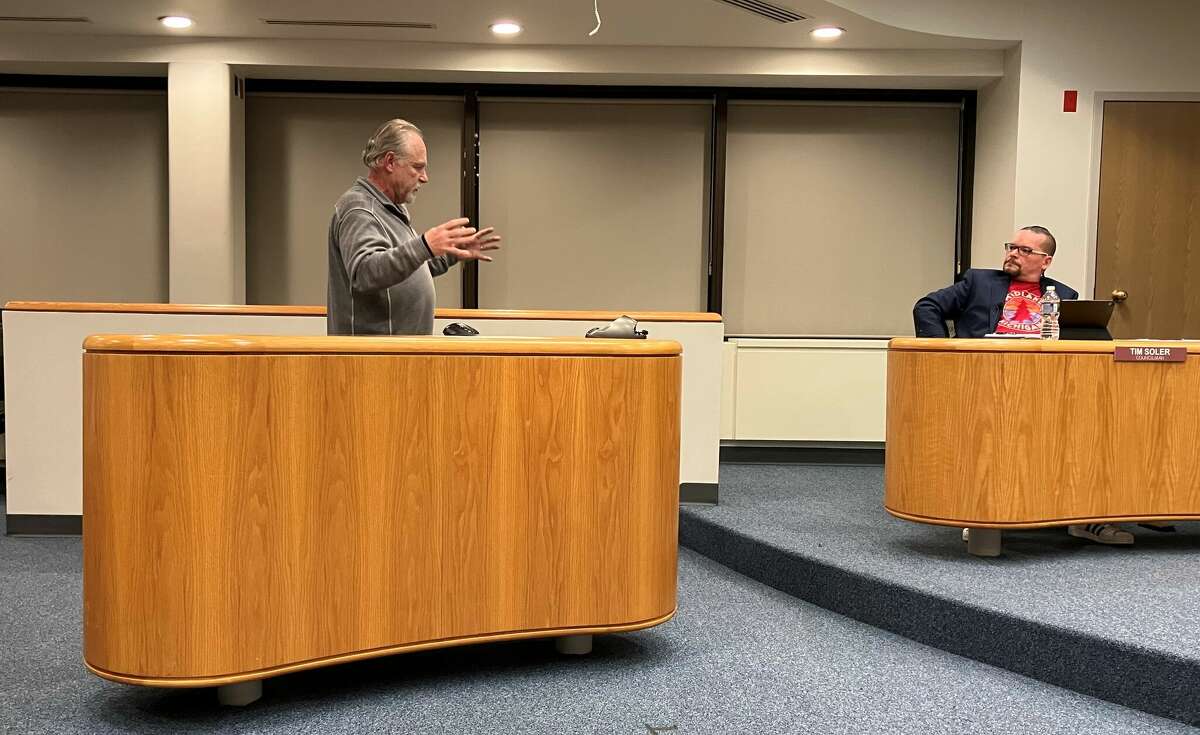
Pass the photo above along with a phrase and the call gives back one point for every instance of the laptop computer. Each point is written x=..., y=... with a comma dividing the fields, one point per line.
x=1082, y=319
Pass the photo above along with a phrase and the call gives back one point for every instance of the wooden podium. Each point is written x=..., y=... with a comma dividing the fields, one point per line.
x=260, y=505
x=995, y=434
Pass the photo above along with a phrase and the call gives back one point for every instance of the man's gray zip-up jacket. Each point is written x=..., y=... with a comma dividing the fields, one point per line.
x=380, y=269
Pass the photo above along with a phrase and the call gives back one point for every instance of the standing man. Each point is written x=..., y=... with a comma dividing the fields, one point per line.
x=1006, y=301
x=380, y=270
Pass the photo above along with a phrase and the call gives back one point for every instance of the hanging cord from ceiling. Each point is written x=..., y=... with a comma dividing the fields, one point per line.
x=596, y=9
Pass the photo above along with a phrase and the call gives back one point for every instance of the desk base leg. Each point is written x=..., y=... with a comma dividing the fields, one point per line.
x=984, y=542
x=240, y=694
x=574, y=645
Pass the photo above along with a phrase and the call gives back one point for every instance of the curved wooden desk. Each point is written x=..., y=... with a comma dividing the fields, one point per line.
x=260, y=505
x=967, y=420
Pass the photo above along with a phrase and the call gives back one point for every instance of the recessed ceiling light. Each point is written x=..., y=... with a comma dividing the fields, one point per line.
x=175, y=21
x=506, y=28
x=828, y=32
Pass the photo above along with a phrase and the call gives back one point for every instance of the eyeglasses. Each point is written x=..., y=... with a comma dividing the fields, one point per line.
x=1023, y=250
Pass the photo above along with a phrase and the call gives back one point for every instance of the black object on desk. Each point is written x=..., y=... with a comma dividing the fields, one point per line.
x=458, y=329
x=1082, y=319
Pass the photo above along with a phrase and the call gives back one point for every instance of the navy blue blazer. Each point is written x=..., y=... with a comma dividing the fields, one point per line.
x=973, y=304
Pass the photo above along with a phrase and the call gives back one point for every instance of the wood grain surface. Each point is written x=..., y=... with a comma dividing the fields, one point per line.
x=478, y=345
x=1054, y=346
x=264, y=309
x=1035, y=437
x=251, y=514
x=1148, y=222
x=211, y=681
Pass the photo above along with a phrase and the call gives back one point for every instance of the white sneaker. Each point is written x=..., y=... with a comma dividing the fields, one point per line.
x=966, y=534
x=1102, y=533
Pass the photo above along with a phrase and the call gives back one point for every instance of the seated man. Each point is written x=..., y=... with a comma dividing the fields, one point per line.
x=1006, y=301
x=1002, y=301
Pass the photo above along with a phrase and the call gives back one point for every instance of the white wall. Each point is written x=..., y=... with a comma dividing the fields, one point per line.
x=591, y=64
x=207, y=164
x=804, y=390
x=996, y=164
x=1093, y=46
x=1055, y=149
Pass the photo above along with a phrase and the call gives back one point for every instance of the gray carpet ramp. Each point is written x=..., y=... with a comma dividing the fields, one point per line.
x=1121, y=624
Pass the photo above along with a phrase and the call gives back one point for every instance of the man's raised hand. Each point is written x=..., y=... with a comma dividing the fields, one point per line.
x=448, y=237
x=480, y=243
x=463, y=242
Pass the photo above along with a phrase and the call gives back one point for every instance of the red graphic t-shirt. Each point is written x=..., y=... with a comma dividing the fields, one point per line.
x=1022, y=312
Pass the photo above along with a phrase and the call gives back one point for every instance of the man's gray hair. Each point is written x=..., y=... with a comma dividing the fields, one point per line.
x=392, y=136
x=1051, y=245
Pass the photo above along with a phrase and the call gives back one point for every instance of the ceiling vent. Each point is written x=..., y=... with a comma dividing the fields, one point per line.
x=766, y=10
x=351, y=23
x=41, y=19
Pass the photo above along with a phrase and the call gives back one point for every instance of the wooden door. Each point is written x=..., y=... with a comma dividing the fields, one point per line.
x=1148, y=231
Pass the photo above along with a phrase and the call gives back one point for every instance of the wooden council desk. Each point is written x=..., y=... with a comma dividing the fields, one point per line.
x=995, y=434
x=255, y=506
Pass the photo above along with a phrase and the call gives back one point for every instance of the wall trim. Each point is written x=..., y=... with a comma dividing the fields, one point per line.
x=843, y=453
x=66, y=81
x=23, y=524
x=698, y=492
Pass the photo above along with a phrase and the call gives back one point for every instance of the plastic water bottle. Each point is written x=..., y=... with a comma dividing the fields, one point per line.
x=1049, y=306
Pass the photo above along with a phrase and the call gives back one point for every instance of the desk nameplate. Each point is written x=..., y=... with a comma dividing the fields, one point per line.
x=1149, y=353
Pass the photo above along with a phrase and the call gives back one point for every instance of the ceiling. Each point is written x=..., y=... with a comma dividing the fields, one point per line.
x=691, y=23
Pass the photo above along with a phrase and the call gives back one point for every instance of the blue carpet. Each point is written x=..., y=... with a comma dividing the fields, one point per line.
x=738, y=658
x=1116, y=623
